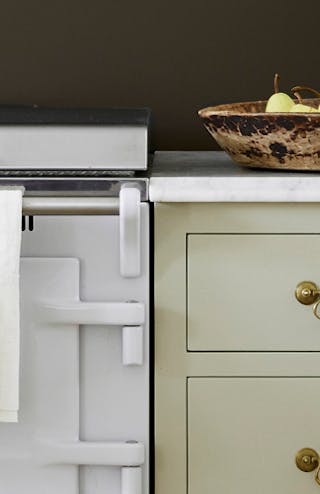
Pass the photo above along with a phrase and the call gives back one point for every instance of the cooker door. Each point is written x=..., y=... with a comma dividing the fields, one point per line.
x=88, y=386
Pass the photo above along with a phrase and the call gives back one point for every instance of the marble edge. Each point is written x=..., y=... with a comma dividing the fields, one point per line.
x=234, y=189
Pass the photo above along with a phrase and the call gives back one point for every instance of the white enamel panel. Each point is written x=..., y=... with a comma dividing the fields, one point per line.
x=77, y=146
x=49, y=385
x=114, y=398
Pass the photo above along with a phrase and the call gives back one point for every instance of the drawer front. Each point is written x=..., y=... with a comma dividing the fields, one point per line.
x=244, y=433
x=240, y=292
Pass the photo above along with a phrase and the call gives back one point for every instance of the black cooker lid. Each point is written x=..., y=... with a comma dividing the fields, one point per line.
x=34, y=115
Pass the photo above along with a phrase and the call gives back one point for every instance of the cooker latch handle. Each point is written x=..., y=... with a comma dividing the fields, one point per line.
x=129, y=456
x=130, y=315
x=130, y=231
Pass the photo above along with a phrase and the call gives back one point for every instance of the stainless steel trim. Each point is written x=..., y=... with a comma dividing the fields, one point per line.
x=78, y=187
x=70, y=206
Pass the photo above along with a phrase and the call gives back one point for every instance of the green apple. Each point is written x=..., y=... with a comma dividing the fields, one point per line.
x=279, y=102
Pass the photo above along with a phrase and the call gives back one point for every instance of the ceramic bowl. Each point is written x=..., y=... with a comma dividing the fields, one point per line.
x=266, y=140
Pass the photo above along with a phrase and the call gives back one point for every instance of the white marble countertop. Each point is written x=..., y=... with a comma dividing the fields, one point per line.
x=211, y=176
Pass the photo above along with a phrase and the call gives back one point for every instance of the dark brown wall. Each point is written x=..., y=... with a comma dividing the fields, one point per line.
x=173, y=56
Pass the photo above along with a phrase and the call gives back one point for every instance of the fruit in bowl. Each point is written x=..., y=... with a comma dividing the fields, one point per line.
x=277, y=133
x=279, y=102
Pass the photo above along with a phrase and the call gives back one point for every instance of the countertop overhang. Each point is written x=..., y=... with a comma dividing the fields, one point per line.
x=211, y=176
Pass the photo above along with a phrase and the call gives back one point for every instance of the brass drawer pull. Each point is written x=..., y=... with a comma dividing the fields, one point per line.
x=315, y=309
x=308, y=293
x=307, y=460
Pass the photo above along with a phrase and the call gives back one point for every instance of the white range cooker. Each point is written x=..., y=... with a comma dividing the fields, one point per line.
x=84, y=380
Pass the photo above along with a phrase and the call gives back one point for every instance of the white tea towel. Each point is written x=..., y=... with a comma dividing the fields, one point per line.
x=10, y=240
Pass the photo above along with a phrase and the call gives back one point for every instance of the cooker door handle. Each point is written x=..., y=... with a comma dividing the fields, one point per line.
x=131, y=480
x=100, y=313
x=129, y=456
x=132, y=345
x=130, y=231
x=113, y=454
x=129, y=315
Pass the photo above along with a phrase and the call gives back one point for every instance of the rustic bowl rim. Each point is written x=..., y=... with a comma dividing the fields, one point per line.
x=216, y=110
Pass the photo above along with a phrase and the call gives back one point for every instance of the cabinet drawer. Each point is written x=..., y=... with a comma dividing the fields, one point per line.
x=240, y=292
x=244, y=433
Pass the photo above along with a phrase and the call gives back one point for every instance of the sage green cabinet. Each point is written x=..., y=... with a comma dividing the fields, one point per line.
x=237, y=358
x=239, y=292
x=243, y=433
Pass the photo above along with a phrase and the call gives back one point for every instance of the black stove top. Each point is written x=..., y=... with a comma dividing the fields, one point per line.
x=36, y=115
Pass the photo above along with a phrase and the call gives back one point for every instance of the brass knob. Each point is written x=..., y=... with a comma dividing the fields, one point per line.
x=307, y=459
x=307, y=292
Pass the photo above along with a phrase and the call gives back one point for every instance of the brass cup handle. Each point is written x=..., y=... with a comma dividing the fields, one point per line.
x=308, y=293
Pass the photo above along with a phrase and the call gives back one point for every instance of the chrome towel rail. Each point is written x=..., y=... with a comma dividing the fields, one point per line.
x=70, y=205
x=127, y=206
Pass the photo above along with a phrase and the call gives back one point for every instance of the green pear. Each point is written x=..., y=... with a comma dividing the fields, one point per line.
x=279, y=102
x=300, y=108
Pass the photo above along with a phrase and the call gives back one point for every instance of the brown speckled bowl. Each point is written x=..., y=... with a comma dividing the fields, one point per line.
x=266, y=140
